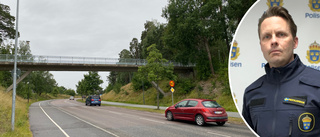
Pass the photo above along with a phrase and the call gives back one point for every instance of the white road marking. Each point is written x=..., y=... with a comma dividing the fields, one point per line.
x=126, y=115
x=218, y=134
x=54, y=122
x=89, y=123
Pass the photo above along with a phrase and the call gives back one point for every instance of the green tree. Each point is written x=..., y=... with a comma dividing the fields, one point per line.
x=135, y=49
x=93, y=81
x=42, y=82
x=62, y=90
x=24, y=49
x=25, y=90
x=236, y=9
x=125, y=54
x=90, y=84
x=55, y=91
x=139, y=81
x=156, y=68
x=70, y=92
x=199, y=27
x=192, y=25
x=6, y=23
x=81, y=88
x=124, y=77
x=112, y=78
x=153, y=35
x=7, y=49
x=5, y=76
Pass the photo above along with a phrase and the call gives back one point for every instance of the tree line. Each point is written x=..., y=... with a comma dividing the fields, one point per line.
x=197, y=31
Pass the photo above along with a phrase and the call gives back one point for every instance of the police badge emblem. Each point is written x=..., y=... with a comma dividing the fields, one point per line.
x=306, y=122
x=235, y=51
x=314, y=53
x=314, y=5
x=272, y=3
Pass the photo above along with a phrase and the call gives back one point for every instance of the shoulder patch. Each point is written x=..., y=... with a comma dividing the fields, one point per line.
x=257, y=84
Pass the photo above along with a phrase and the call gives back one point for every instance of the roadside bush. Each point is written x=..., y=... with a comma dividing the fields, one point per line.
x=185, y=85
x=137, y=83
x=109, y=88
x=223, y=77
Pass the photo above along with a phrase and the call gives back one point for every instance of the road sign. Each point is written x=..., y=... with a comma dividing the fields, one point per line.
x=18, y=73
x=172, y=89
x=171, y=83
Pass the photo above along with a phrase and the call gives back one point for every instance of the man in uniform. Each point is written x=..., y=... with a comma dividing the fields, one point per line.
x=286, y=100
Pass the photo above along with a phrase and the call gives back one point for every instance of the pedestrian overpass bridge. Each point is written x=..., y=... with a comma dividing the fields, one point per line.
x=65, y=63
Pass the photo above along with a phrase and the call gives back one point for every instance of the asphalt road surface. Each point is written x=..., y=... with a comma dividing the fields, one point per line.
x=59, y=118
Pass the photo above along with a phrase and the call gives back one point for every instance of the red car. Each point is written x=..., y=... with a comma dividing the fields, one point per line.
x=199, y=110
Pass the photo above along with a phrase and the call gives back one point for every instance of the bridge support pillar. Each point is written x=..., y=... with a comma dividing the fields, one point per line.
x=155, y=85
x=20, y=79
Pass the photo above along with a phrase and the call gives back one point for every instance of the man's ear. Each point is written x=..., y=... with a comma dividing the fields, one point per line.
x=296, y=41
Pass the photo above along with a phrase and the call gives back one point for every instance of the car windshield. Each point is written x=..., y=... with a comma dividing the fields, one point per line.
x=95, y=97
x=210, y=104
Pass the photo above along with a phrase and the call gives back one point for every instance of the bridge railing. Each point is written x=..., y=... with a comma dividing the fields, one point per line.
x=80, y=60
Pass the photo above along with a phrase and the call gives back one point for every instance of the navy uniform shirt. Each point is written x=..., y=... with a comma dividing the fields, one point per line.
x=285, y=102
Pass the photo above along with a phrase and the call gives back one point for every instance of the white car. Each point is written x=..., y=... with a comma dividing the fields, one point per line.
x=71, y=98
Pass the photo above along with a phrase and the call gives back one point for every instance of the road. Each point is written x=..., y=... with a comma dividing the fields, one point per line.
x=63, y=117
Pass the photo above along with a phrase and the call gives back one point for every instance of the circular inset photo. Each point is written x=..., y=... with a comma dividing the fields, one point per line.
x=274, y=67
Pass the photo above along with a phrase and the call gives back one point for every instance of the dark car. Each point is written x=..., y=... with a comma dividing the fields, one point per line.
x=199, y=110
x=93, y=100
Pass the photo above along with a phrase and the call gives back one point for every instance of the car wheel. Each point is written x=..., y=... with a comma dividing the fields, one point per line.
x=221, y=123
x=86, y=104
x=200, y=120
x=99, y=104
x=169, y=116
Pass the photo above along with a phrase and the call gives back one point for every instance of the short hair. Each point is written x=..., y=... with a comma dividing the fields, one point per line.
x=280, y=12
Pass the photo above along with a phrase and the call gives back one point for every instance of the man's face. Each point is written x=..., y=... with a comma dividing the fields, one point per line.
x=277, y=42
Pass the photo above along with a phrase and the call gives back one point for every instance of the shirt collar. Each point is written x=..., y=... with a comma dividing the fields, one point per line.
x=287, y=72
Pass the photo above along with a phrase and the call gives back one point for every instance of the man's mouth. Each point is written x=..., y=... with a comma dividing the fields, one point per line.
x=275, y=52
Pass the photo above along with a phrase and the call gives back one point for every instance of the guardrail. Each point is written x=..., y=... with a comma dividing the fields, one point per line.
x=81, y=60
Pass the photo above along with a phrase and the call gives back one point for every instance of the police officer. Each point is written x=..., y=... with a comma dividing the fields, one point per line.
x=286, y=100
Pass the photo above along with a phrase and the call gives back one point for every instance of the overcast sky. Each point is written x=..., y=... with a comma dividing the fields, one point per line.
x=83, y=28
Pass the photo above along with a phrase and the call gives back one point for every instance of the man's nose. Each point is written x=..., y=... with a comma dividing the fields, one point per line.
x=274, y=41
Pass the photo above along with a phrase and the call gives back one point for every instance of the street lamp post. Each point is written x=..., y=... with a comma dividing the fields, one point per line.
x=15, y=71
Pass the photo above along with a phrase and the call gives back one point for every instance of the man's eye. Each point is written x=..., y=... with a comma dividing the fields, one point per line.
x=281, y=34
x=266, y=37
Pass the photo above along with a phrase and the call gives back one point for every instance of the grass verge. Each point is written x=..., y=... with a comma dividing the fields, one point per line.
x=21, y=128
x=21, y=122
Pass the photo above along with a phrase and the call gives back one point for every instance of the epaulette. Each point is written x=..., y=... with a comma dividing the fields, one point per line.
x=257, y=84
x=311, y=78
